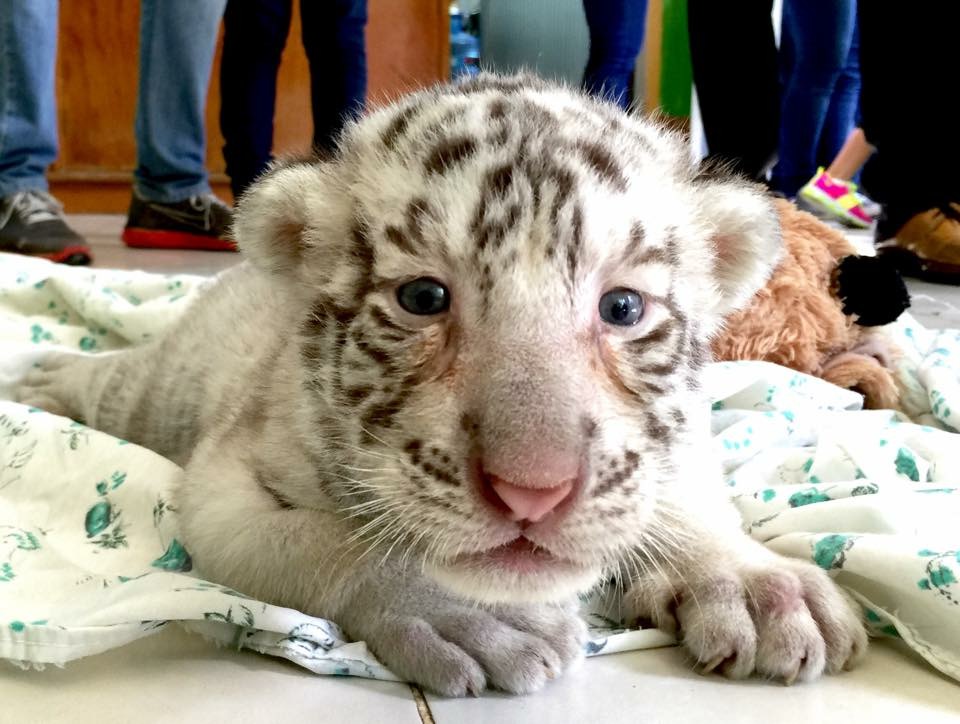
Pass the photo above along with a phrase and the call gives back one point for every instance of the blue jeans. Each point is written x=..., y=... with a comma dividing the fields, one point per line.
x=177, y=41
x=255, y=33
x=821, y=87
x=616, y=34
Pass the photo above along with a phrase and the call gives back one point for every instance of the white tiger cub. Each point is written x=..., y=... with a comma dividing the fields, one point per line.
x=455, y=383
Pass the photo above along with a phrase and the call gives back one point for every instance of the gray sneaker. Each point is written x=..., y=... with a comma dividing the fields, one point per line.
x=32, y=223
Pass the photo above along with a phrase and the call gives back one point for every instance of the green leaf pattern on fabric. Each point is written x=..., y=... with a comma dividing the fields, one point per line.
x=175, y=558
x=831, y=551
x=906, y=464
x=941, y=573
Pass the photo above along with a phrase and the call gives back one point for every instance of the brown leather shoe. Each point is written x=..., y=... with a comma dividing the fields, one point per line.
x=928, y=246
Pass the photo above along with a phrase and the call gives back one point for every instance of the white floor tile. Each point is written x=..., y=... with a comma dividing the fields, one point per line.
x=179, y=678
x=103, y=232
x=658, y=685
x=935, y=305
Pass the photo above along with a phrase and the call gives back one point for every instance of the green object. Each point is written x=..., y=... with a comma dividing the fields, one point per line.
x=806, y=497
x=176, y=558
x=906, y=464
x=98, y=518
x=676, y=70
x=830, y=551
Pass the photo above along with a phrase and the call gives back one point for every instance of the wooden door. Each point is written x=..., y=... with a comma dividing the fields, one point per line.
x=407, y=47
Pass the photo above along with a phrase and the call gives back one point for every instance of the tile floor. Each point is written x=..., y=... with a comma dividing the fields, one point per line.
x=177, y=677
x=103, y=232
x=933, y=305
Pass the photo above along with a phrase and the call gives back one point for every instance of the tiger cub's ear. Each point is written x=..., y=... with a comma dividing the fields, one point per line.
x=744, y=233
x=272, y=219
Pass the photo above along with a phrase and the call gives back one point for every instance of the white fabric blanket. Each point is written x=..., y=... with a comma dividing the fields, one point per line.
x=89, y=551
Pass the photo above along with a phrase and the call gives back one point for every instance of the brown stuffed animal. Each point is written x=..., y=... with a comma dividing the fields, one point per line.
x=813, y=313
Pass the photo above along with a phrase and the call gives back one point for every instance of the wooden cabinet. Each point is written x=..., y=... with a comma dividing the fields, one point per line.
x=407, y=47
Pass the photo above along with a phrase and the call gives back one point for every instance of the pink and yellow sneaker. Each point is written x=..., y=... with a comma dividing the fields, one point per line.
x=836, y=198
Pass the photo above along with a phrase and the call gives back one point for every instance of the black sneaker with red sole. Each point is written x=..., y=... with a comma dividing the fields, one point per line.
x=32, y=223
x=201, y=222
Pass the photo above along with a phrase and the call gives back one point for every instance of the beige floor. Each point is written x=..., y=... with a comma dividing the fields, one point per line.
x=103, y=233
x=933, y=305
x=177, y=677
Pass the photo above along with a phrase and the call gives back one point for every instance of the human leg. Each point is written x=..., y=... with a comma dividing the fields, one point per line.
x=734, y=59
x=616, y=34
x=31, y=221
x=255, y=33
x=815, y=45
x=172, y=203
x=177, y=41
x=333, y=38
x=914, y=172
x=852, y=156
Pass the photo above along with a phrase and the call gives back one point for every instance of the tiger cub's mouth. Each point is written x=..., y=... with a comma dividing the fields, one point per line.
x=520, y=555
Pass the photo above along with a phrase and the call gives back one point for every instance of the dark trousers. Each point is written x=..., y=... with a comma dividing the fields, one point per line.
x=616, y=34
x=909, y=68
x=255, y=33
x=735, y=70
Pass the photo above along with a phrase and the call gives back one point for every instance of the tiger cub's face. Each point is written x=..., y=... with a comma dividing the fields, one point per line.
x=510, y=291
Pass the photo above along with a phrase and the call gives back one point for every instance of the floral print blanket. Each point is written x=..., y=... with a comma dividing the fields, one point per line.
x=90, y=557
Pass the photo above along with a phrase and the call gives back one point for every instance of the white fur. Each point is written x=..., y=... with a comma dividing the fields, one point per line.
x=297, y=411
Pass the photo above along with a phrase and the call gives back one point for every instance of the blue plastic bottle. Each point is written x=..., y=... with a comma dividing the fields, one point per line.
x=464, y=48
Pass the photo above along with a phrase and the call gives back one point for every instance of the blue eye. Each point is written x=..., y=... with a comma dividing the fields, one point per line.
x=622, y=307
x=424, y=296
